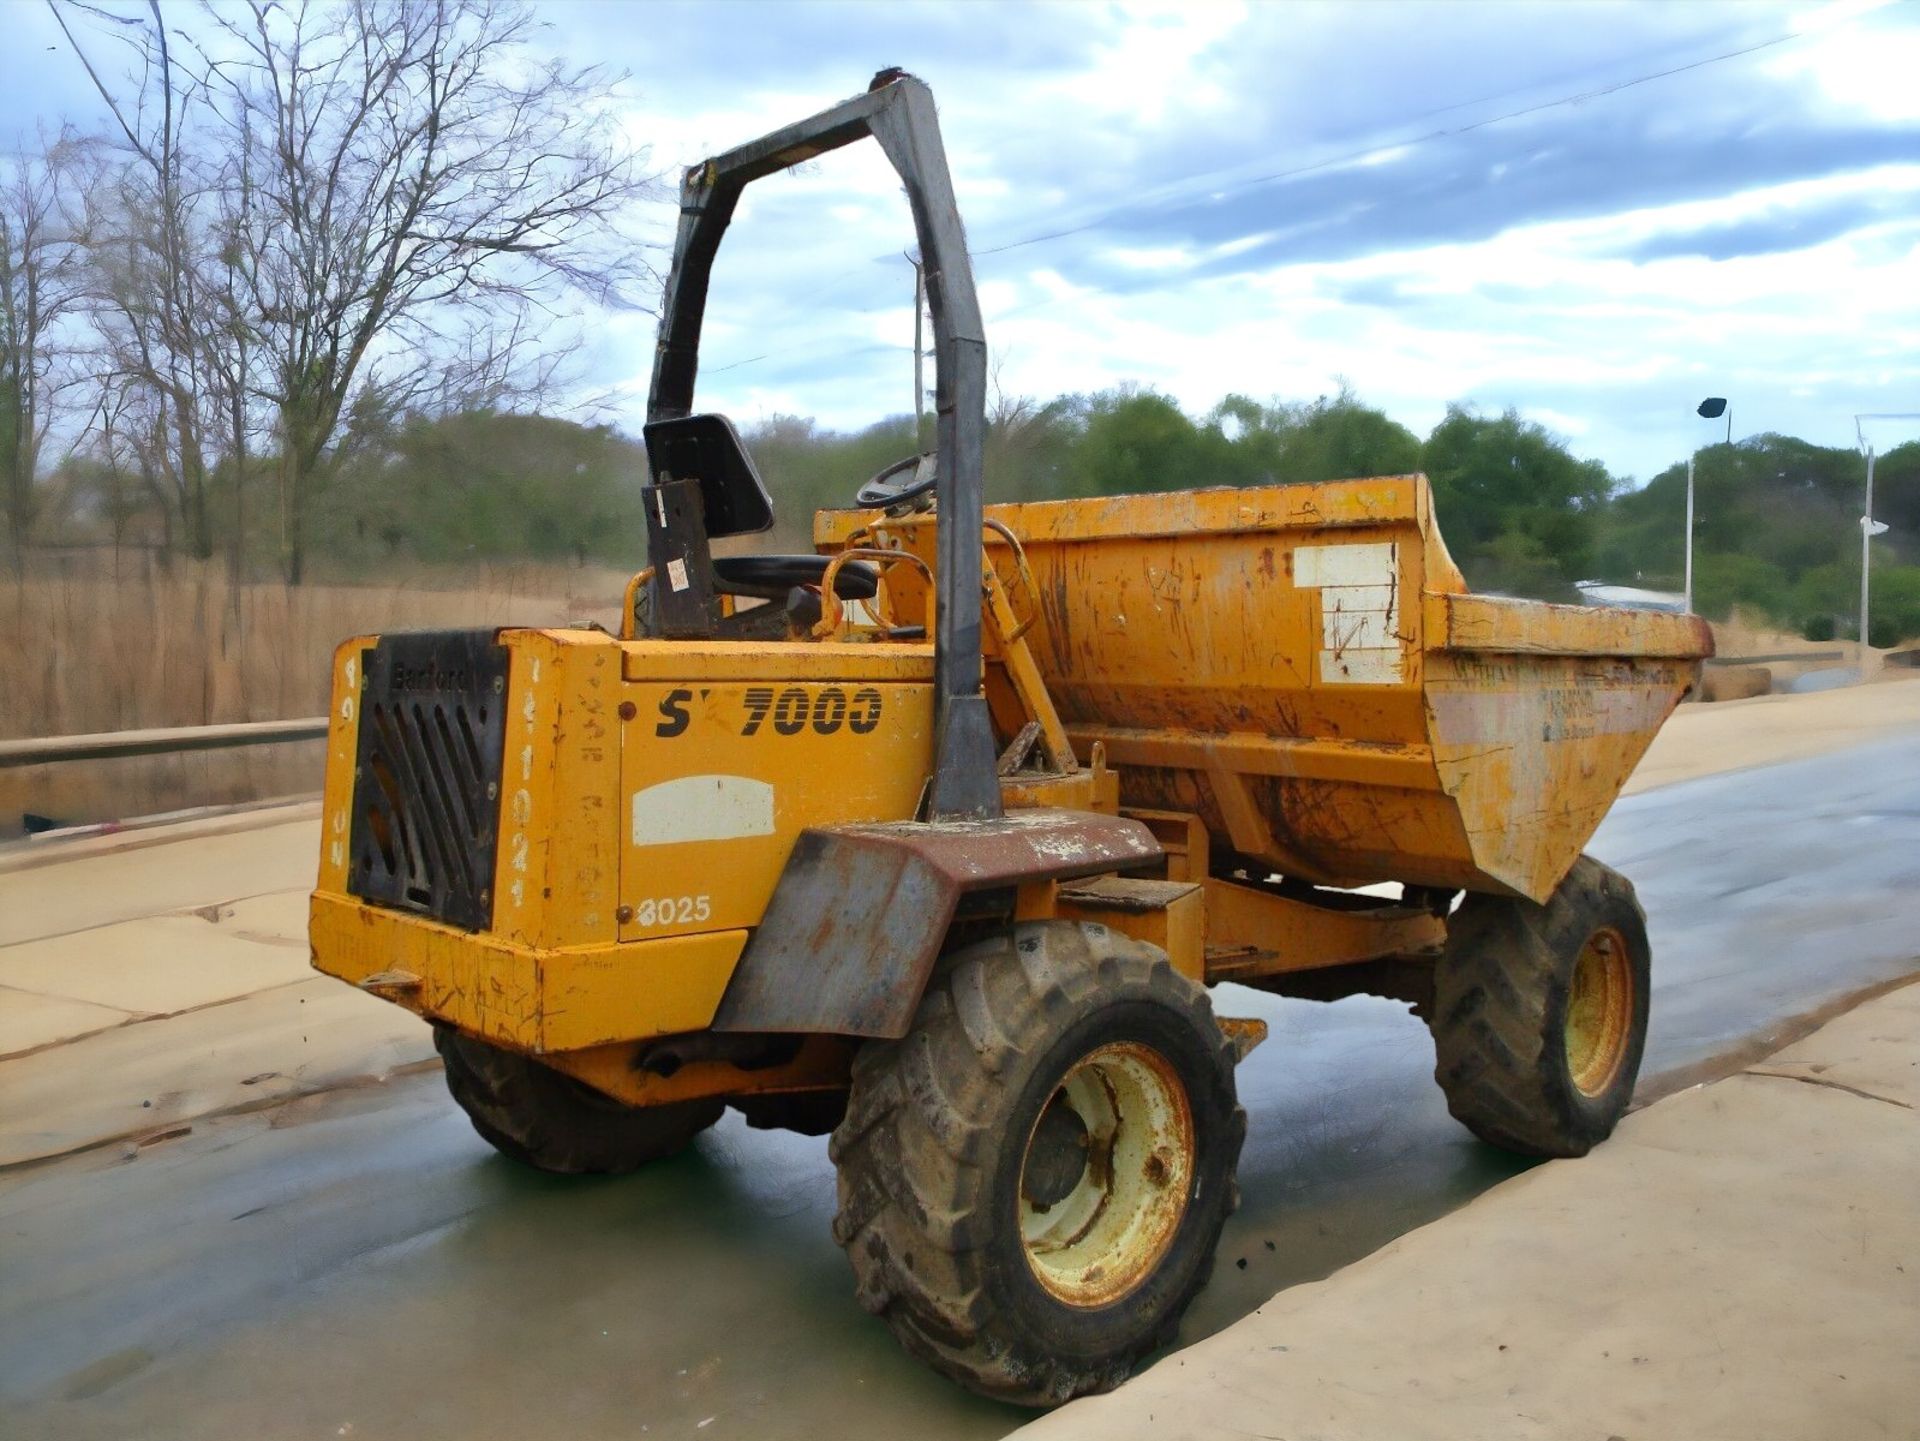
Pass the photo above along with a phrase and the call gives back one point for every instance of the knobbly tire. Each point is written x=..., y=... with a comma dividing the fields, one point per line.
x=1540, y=1013
x=1033, y=1180
x=545, y=1119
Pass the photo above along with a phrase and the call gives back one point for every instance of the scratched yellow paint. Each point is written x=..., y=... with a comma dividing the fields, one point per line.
x=336, y=797
x=718, y=778
x=543, y=1001
x=1295, y=675
x=1303, y=668
x=596, y=937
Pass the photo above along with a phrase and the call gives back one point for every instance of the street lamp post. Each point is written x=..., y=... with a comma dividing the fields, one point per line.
x=1687, y=584
x=1869, y=527
x=1712, y=408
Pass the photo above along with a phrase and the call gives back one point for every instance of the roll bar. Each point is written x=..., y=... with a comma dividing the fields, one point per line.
x=899, y=113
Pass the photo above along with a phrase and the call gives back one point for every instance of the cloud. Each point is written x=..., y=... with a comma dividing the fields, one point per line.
x=1785, y=228
x=1586, y=212
x=1450, y=193
x=1274, y=206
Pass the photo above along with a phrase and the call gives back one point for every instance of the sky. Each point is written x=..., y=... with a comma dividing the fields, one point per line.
x=1597, y=214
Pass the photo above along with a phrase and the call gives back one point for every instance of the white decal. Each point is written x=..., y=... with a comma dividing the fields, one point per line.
x=702, y=808
x=1359, y=587
x=677, y=574
x=1360, y=667
x=673, y=910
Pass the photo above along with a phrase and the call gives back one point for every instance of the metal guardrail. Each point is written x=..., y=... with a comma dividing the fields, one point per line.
x=107, y=745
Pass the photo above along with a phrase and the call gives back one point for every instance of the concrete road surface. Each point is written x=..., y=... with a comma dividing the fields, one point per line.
x=1759, y=1277
x=358, y=1263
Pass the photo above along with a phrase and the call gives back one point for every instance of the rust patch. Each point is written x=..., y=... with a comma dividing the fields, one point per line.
x=1096, y=1240
x=1243, y=1033
x=861, y=911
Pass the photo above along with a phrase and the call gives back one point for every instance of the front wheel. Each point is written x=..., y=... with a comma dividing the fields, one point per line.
x=1540, y=1013
x=1033, y=1180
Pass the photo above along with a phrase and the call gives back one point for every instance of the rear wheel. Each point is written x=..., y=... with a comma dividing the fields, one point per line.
x=1033, y=1180
x=1540, y=1013
x=548, y=1120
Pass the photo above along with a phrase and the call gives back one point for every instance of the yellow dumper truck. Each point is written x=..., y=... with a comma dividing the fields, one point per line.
x=936, y=838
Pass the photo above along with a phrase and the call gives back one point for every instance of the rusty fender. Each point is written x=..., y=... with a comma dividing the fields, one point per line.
x=861, y=911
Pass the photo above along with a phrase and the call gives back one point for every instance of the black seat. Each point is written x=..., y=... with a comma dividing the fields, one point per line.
x=771, y=577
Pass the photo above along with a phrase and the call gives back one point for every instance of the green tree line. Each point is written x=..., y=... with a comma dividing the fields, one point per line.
x=1776, y=517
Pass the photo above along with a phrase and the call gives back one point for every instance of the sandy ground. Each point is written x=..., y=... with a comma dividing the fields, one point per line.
x=1702, y=740
x=1741, y=1260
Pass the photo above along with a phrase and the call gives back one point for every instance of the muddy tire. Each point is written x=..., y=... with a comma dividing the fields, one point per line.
x=1033, y=1181
x=552, y=1122
x=1540, y=1013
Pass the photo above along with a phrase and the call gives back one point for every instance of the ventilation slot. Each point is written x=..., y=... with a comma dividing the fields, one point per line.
x=427, y=772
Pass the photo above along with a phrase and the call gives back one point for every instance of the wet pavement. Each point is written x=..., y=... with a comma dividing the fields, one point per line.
x=359, y=1264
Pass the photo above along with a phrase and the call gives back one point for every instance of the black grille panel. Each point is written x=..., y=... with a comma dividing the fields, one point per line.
x=426, y=780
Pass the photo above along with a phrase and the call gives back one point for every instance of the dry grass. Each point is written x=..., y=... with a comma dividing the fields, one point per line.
x=84, y=652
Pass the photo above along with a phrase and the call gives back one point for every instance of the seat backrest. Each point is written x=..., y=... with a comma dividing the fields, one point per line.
x=707, y=448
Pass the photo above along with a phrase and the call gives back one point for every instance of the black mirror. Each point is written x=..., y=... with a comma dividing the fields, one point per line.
x=1713, y=407
x=707, y=448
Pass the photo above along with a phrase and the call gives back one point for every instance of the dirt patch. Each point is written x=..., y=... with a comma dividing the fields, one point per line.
x=1704, y=740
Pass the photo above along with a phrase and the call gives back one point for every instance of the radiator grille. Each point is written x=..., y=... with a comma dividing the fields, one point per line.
x=427, y=775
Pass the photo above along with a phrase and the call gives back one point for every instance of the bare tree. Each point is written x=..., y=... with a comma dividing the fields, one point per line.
x=231, y=349
x=1022, y=439
x=109, y=476
x=426, y=193
x=314, y=219
x=41, y=282
x=148, y=233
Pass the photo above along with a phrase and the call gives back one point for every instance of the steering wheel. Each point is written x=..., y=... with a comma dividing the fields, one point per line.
x=884, y=492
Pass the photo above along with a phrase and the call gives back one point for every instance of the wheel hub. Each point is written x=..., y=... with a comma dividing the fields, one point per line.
x=1056, y=1157
x=1105, y=1178
x=1600, y=1005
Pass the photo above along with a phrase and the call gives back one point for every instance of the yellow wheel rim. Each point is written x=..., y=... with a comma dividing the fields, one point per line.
x=1105, y=1176
x=1599, y=1012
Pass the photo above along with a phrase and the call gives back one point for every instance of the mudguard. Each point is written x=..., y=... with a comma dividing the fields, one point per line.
x=861, y=912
